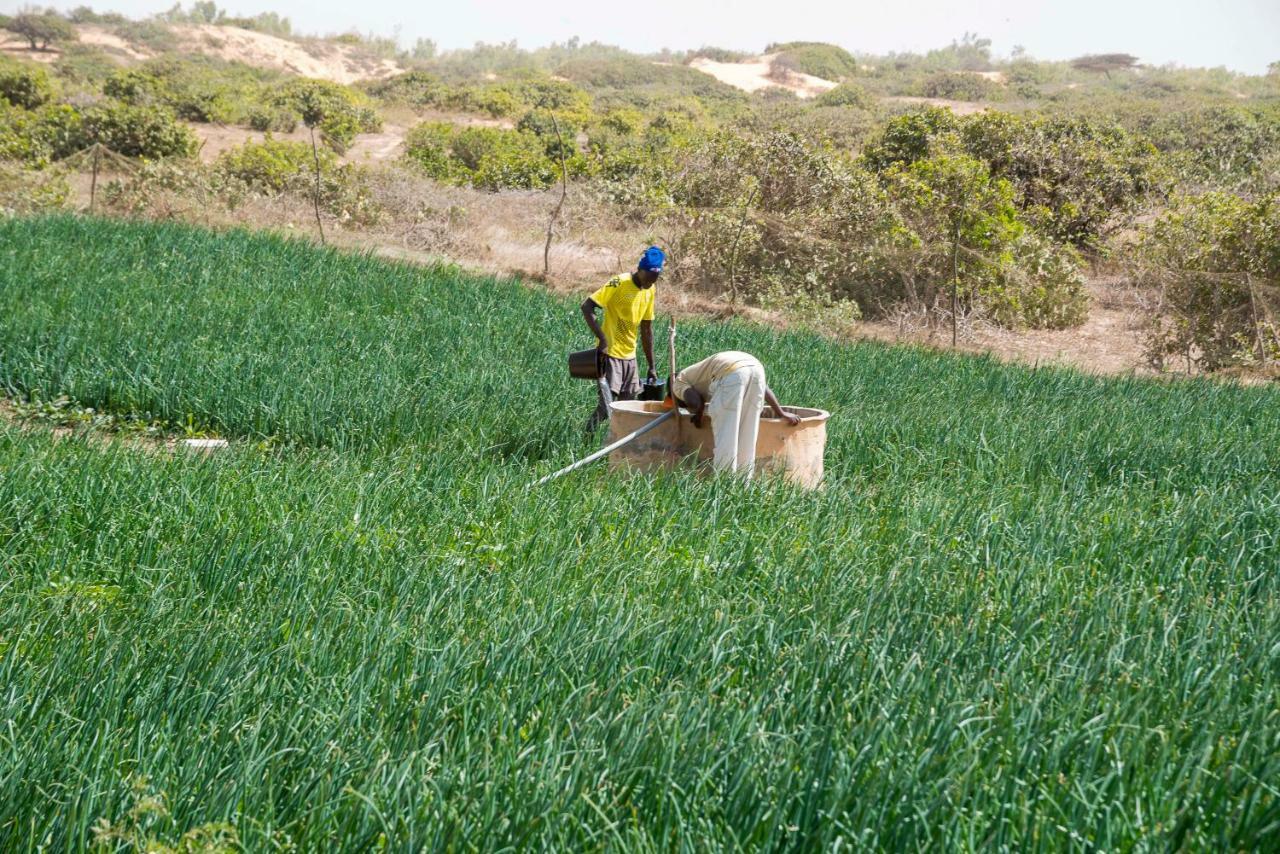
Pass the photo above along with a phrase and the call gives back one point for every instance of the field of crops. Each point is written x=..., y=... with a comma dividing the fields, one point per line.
x=1030, y=609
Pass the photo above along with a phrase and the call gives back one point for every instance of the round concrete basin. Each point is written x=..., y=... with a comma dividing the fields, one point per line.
x=794, y=452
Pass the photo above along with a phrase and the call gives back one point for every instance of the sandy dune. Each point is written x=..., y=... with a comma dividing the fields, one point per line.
x=754, y=75
x=324, y=60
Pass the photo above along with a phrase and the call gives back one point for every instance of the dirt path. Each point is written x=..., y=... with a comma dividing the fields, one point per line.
x=367, y=148
x=1109, y=342
x=385, y=145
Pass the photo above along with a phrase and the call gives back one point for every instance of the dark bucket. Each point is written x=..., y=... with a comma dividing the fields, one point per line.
x=584, y=364
x=656, y=390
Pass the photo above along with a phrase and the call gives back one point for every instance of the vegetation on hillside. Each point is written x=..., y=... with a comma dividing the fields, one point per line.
x=844, y=201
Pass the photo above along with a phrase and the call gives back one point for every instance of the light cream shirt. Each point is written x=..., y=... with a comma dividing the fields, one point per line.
x=701, y=375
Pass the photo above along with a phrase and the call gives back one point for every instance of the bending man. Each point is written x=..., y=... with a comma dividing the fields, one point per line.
x=628, y=302
x=731, y=388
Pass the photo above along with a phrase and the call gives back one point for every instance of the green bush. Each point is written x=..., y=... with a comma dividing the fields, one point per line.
x=196, y=88
x=26, y=191
x=20, y=141
x=909, y=137
x=821, y=60
x=1218, y=146
x=493, y=101
x=149, y=34
x=24, y=85
x=540, y=124
x=846, y=95
x=488, y=158
x=774, y=215
x=428, y=147
x=1074, y=177
x=84, y=65
x=414, y=88
x=1216, y=260
x=35, y=137
x=272, y=166
x=149, y=132
x=276, y=119
x=958, y=86
x=718, y=54
x=646, y=84
x=60, y=129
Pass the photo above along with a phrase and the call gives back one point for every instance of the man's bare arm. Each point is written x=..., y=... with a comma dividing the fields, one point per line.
x=778, y=411
x=646, y=339
x=696, y=404
x=589, y=307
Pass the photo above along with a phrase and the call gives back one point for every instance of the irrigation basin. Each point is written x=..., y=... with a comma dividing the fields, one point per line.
x=794, y=452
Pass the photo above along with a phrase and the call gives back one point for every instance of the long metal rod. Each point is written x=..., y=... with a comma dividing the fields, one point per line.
x=630, y=437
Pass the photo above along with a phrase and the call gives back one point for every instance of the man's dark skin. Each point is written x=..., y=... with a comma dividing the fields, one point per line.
x=643, y=279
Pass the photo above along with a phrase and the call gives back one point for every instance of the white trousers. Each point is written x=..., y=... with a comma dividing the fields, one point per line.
x=737, y=400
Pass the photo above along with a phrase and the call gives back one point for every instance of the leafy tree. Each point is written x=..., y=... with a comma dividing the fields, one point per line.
x=974, y=247
x=41, y=28
x=424, y=50
x=1071, y=176
x=774, y=218
x=1105, y=63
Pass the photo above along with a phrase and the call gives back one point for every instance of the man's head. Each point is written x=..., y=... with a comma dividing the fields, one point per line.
x=649, y=268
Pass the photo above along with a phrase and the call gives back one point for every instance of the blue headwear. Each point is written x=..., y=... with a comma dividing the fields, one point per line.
x=652, y=259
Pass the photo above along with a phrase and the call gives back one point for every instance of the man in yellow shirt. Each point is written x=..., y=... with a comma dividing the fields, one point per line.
x=628, y=302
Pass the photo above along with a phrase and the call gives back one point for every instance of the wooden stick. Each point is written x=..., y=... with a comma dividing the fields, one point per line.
x=671, y=376
x=564, y=191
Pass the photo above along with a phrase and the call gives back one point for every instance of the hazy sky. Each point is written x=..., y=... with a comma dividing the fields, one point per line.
x=1243, y=35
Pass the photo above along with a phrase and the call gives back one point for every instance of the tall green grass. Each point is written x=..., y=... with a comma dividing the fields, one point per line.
x=1031, y=608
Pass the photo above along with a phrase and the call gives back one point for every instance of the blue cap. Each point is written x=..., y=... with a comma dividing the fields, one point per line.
x=652, y=259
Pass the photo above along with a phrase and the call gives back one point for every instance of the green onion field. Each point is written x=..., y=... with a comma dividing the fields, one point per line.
x=1031, y=609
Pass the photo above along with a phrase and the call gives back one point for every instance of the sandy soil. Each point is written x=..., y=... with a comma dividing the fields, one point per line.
x=111, y=42
x=755, y=74
x=324, y=60
x=1108, y=342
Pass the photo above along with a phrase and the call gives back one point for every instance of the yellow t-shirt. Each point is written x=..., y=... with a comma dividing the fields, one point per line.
x=701, y=375
x=625, y=305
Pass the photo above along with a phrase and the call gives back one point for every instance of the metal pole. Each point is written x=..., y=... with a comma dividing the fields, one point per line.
x=630, y=437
